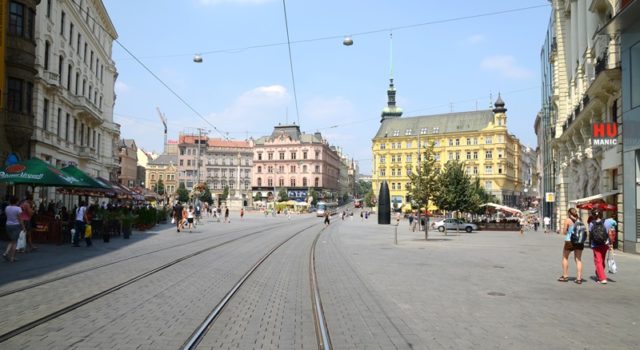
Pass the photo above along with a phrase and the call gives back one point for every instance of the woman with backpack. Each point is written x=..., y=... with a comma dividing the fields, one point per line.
x=599, y=238
x=568, y=227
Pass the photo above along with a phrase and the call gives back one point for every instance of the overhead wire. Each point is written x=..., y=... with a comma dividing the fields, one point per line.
x=293, y=77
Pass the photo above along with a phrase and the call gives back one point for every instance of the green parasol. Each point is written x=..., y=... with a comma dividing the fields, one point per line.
x=36, y=172
x=84, y=177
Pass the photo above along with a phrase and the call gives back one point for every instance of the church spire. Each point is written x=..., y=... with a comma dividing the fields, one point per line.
x=391, y=111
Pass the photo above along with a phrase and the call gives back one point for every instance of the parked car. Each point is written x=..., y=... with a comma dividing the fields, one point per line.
x=453, y=224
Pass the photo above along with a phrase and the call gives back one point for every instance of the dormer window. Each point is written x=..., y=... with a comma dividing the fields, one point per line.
x=435, y=130
x=396, y=133
x=423, y=131
x=408, y=132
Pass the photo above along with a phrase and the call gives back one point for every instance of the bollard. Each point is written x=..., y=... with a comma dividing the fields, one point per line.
x=396, y=236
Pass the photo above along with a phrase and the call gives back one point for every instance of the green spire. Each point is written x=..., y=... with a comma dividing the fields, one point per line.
x=391, y=111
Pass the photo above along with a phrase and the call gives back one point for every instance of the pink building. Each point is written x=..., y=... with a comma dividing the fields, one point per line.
x=295, y=161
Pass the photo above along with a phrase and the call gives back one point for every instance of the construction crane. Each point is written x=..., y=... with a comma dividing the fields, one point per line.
x=164, y=122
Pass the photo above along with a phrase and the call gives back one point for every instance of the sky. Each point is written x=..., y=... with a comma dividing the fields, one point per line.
x=446, y=56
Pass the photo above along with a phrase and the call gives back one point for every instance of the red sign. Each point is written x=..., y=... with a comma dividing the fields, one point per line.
x=16, y=168
x=605, y=133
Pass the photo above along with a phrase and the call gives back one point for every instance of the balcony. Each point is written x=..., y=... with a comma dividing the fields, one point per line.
x=85, y=108
x=51, y=79
x=86, y=152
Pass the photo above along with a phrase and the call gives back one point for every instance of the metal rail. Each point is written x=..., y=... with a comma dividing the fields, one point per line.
x=322, y=331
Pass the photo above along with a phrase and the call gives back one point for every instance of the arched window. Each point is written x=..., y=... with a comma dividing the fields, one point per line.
x=293, y=182
x=281, y=182
x=259, y=169
x=317, y=182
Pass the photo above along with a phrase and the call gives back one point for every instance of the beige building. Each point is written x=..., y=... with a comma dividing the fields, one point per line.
x=73, y=93
x=295, y=161
x=164, y=168
x=585, y=81
x=128, y=172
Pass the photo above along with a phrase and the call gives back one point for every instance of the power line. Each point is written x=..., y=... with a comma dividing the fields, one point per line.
x=293, y=78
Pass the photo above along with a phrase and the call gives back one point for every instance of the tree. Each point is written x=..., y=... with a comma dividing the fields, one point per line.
x=183, y=194
x=225, y=193
x=206, y=196
x=363, y=188
x=479, y=196
x=283, y=195
x=160, y=187
x=258, y=197
x=424, y=183
x=314, y=195
x=455, y=192
x=370, y=198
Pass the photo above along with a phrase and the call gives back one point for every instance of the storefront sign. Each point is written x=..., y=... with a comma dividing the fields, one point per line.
x=550, y=197
x=604, y=134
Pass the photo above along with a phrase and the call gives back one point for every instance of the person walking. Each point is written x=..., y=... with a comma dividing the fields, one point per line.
x=177, y=215
x=88, y=230
x=599, y=239
x=327, y=221
x=411, y=219
x=13, y=227
x=79, y=226
x=547, y=224
x=28, y=211
x=522, y=223
x=190, y=216
x=567, y=228
x=241, y=213
x=226, y=215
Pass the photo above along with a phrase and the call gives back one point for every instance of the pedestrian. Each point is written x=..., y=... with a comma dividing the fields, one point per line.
x=88, y=230
x=536, y=223
x=547, y=224
x=327, y=221
x=13, y=227
x=361, y=216
x=81, y=219
x=226, y=215
x=185, y=215
x=177, y=215
x=198, y=213
x=28, y=218
x=241, y=213
x=411, y=219
x=599, y=246
x=343, y=215
x=567, y=228
x=522, y=223
x=190, y=216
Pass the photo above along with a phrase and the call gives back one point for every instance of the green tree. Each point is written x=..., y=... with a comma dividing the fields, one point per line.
x=313, y=194
x=225, y=193
x=424, y=183
x=205, y=196
x=160, y=187
x=258, y=197
x=479, y=196
x=363, y=188
x=455, y=192
x=183, y=194
x=283, y=195
x=370, y=198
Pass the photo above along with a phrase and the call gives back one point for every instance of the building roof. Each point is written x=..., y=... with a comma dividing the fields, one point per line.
x=164, y=159
x=291, y=132
x=128, y=143
x=228, y=143
x=445, y=123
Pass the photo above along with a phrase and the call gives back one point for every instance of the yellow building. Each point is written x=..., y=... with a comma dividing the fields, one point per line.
x=163, y=168
x=480, y=139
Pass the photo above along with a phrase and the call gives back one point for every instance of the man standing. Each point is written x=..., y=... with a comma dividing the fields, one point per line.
x=177, y=214
x=81, y=218
x=547, y=223
x=226, y=215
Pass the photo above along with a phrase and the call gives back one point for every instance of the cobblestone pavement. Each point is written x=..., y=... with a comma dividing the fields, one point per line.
x=485, y=290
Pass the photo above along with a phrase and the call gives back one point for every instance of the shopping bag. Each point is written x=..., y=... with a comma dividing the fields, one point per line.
x=173, y=220
x=22, y=241
x=87, y=231
x=613, y=268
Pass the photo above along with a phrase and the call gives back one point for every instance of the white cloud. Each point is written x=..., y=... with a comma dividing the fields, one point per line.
x=121, y=88
x=506, y=66
x=475, y=39
x=239, y=2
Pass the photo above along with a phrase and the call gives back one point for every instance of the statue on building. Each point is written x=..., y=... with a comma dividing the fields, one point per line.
x=592, y=171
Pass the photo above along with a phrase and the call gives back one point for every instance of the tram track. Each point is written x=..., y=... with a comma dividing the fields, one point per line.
x=75, y=305
x=322, y=333
x=93, y=268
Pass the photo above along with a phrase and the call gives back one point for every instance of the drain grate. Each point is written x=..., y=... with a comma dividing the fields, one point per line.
x=496, y=294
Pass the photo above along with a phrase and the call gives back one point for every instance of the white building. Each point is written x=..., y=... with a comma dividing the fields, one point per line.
x=74, y=87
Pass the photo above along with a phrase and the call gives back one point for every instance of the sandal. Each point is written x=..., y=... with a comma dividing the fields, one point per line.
x=578, y=281
x=563, y=279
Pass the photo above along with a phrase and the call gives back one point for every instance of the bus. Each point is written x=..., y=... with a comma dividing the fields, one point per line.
x=330, y=207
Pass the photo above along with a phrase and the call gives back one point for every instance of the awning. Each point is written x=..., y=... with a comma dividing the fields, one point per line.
x=594, y=198
x=502, y=207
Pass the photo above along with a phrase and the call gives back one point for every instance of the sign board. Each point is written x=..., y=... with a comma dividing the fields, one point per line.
x=550, y=197
x=604, y=134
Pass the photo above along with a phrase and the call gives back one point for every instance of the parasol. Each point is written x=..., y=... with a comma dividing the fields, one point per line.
x=597, y=205
x=36, y=172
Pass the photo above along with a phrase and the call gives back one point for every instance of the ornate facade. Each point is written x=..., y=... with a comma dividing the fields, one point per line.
x=164, y=168
x=295, y=161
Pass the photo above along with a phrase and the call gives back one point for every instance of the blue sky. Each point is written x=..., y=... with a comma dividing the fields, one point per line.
x=341, y=90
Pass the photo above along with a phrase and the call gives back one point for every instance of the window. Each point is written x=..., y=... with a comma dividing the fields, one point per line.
x=383, y=159
x=293, y=182
x=500, y=138
x=393, y=185
x=270, y=169
x=304, y=155
x=450, y=142
x=436, y=143
x=316, y=182
x=59, y=123
x=14, y=95
x=270, y=156
x=383, y=146
x=259, y=182
x=293, y=169
x=270, y=182
x=457, y=155
x=468, y=155
x=304, y=169
x=69, y=69
x=317, y=154
x=435, y=130
x=475, y=154
x=91, y=61
x=16, y=19
x=468, y=141
x=488, y=154
x=259, y=156
x=304, y=182
x=475, y=170
x=500, y=154
x=409, y=172
x=82, y=134
x=48, y=8
x=488, y=140
x=45, y=114
x=409, y=158
x=317, y=169
x=62, y=16
x=78, y=45
x=468, y=170
x=281, y=182
x=457, y=142
x=423, y=131
x=259, y=169
x=500, y=170
x=396, y=132
x=450, y=156
x=85, y=52
x=293, y=155
x=47, y=48
x=281, y=169
x=70, y=34
x=382, y=172
x=409, y=144
x=487, y=185
x=488, y=169
x=475, y=140
x=408, y=132
x=437, y=157
x=66, y=129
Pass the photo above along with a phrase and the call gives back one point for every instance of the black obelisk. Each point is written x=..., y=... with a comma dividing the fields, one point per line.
x=384, y=205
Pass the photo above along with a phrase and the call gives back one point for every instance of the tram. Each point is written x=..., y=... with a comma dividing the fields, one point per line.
x=323, y=207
